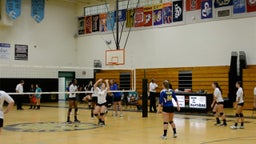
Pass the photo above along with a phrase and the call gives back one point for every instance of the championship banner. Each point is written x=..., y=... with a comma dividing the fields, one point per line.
x=130, y=18
x=5, y=51
x=238, y=6
x=157, y=14
x=148, y=16
x=167, y=13
x=192, y=5
x=88, y=24
x=103, y=22
x=13, y=8
x=111, y=21
x=206, y=9
x=121, y=15
x=81, y=25
x=95, y=23
x=222, y=3
x=139, y=17
x=251, y=5
x=177, y=11
x=21, y=52
x=37, y=10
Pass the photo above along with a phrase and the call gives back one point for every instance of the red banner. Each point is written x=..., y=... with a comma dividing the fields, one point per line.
x=139, y=18
x=88, y=24
x=251, y=5
x=148, y=16
x=192, y=5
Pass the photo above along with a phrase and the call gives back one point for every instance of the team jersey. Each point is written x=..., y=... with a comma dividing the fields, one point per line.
x=95, y=93
x=218, y=95
x=4, y=97
x=166, y=97
x=102, y=94
x=240, y=94
x=114, y=87
x=72, y=88
x=38, y=92
x=19, y=88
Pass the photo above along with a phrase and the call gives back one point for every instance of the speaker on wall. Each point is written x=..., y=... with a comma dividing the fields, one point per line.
x=97, y=66
x=242, y=60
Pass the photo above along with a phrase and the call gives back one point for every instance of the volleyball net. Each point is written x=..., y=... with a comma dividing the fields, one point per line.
x=54, y=80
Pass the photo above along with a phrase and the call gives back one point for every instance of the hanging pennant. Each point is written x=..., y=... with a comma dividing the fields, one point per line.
x=37, y=10
x=13, y=8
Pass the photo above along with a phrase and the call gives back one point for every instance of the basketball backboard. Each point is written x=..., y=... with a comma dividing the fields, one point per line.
x=115, y=57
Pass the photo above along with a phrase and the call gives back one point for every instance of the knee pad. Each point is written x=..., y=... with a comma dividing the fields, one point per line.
x=102, y=114
x=237, y=115
x=221, y=114
x=214, y=113
x=70, y=109
x=96, y=115
x=76, y=109
x=165, y=123
x=241, y=115
x=170, y=122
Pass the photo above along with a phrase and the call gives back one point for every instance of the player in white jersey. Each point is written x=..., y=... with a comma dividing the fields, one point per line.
x=101, y=89
x=239, y=106
x=218, y=104
x=91, y=97
x=72, y=101
x=4, y=97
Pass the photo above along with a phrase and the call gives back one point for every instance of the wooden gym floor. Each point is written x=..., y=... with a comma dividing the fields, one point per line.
x=47, y=127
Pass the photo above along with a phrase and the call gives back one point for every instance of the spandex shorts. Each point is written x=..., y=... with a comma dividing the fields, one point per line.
x=117, y=99
x=100, y=105
x=168, y=109
x=241, y=104
x=1, y=122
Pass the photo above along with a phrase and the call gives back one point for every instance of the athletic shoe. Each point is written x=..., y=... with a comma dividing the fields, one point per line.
x=92, y=118
x=234, y=127
x=77, y=121
x=217, y=124
x=121, y=115
x=241, y=127
x=164, y=137
x=175, y=135
x=223, y=124
x=102, y=124
x=69, y=122
x=114, y=115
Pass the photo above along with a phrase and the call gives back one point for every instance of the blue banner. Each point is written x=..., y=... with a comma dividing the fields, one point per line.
x=121, y=15
x=37, y=10
x=111, y=21
x=239, y=6
x=13, y=8
x=206, y=9
x=222, y=3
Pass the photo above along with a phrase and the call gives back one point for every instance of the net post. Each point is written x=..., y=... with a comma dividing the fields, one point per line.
x=144, y=97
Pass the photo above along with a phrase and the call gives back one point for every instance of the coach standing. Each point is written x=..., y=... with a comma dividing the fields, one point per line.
x=152, y=94
x=19, y=97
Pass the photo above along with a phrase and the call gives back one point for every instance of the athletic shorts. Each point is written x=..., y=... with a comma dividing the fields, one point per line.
x=117, y=99
x=72, y=98
x=168, y=109
x=100, y=105
x=94, y=99
x=220, y=103
x=241, y=104
x=1, y=123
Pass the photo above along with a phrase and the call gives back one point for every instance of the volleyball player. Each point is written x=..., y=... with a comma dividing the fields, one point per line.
x=32, y=97
x=19, y=98
x=165, y=101
x=218, y=103
x=38, y=96
x=239, y=106
x=4, y=97
x=91, y=97
x=101, y=89
x=72, y=101
x=117, y=98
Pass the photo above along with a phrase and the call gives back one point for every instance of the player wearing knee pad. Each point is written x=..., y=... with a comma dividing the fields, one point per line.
x=72, y=101
x=101, y=89
x=218, y=103
x=165, y=101
x=239, y=106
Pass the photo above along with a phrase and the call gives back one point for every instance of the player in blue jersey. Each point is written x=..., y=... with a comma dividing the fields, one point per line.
x=165, y=101
x=117, y=98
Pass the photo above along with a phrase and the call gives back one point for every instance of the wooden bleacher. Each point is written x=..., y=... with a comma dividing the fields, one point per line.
x=249, y=82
